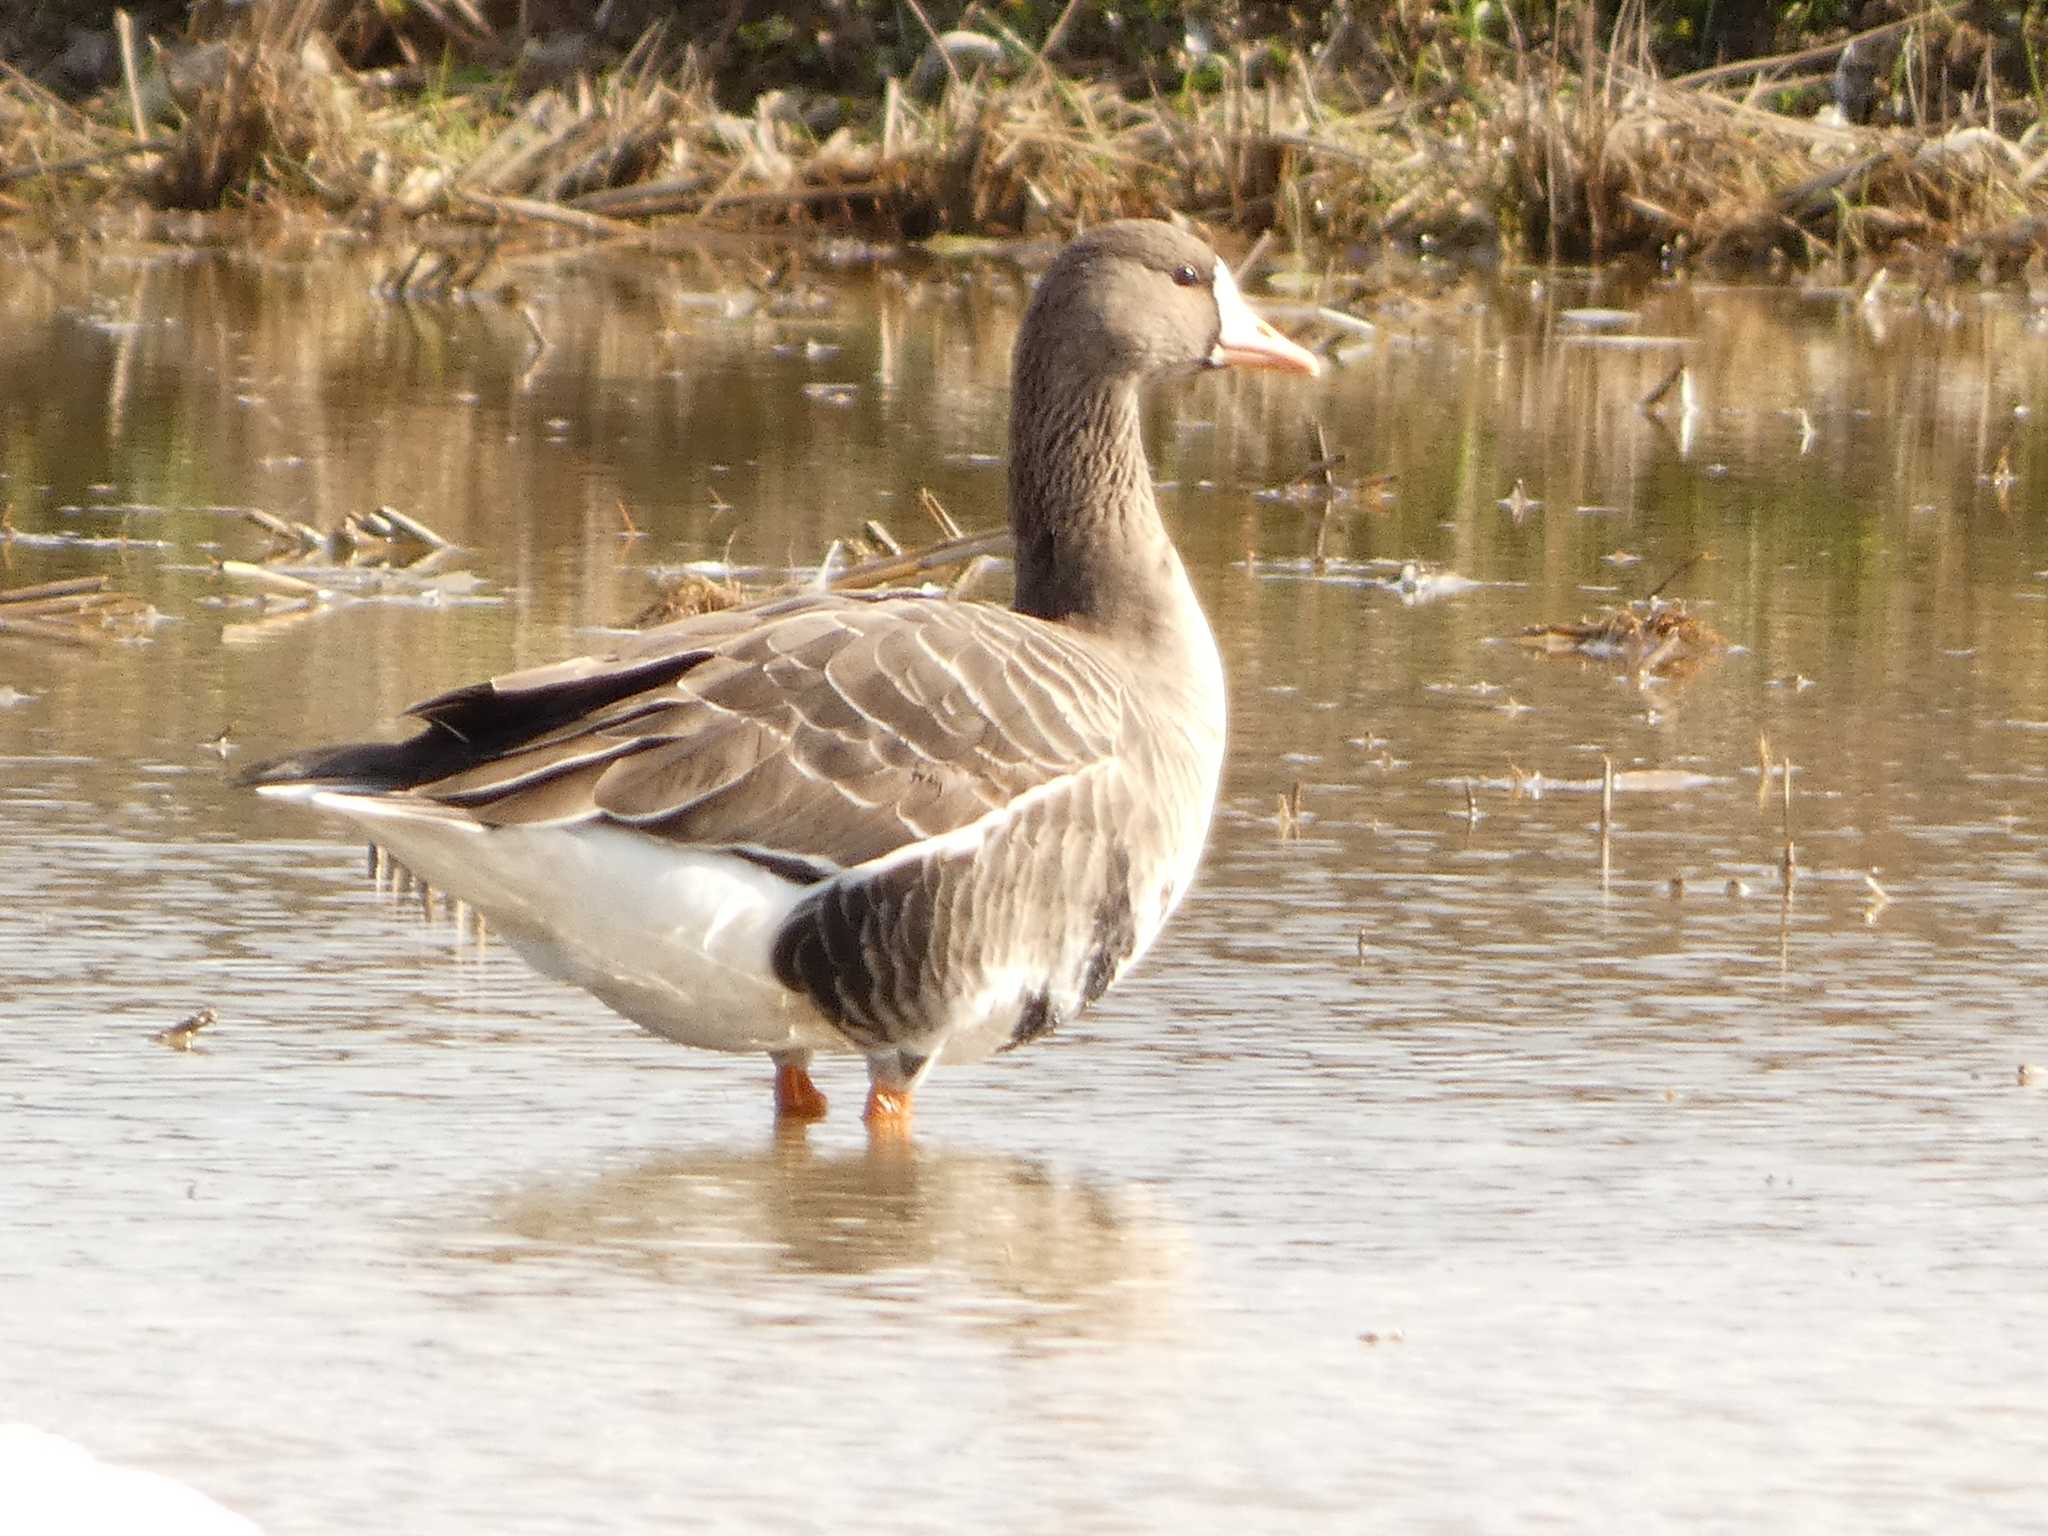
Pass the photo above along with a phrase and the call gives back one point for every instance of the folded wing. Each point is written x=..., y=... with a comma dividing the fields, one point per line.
x=811, y=735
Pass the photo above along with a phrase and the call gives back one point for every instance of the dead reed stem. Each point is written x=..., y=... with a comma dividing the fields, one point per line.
x=124, y=31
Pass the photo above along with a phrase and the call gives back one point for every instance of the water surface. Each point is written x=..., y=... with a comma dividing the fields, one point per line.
x=1421, y=1177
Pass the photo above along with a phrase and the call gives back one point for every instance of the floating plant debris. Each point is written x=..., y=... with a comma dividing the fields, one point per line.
x=712, y=586
x=1654, y=637
x=81, y=611
x=383, y=554
x=688, y=593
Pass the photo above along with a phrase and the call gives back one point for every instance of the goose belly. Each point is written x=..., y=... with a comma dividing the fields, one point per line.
x=676, y=939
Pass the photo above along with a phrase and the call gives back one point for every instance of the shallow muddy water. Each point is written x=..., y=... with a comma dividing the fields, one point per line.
x=1419, y=1181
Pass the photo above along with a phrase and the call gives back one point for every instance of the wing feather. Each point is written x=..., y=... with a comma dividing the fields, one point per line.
x=825, y=731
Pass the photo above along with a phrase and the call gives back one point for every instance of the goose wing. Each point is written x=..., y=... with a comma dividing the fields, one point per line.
x=811, y=735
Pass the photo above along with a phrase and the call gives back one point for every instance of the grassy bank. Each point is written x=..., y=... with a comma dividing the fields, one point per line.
x=1477, y=128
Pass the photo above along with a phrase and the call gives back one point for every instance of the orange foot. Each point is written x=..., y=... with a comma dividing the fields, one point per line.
x=796, y=1096
x=888, y=1114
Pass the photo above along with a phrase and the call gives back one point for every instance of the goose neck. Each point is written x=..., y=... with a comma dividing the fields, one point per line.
x=1090, y=546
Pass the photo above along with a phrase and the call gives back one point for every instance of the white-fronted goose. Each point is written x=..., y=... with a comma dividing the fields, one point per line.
x=893, y=824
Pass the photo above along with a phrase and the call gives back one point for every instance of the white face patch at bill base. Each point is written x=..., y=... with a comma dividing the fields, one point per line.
x=1246, y=341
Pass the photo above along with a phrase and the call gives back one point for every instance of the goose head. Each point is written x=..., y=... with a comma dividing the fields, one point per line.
x=1138, y=298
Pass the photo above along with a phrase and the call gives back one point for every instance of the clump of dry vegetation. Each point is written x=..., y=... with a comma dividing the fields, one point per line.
x=1607, y=157
x=1562, y=133
x=688, y=594
x=1653, y=637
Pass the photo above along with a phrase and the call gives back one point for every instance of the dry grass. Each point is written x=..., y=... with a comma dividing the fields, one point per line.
x=1605, y=159
x=1571, y=150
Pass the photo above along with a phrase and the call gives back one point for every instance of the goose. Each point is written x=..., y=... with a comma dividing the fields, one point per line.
x=51, y=1486
x=894, y=824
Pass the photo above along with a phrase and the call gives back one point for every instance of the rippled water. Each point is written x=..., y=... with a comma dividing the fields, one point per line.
x=1420, y=1179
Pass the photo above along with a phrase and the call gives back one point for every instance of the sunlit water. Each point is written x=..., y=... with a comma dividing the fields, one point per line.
x=1420, y=1181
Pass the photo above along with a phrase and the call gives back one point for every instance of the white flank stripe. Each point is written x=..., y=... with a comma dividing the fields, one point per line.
x=970, y=837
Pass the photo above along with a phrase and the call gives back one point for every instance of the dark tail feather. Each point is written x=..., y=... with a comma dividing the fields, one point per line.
x=473, y=725
x=365, y=767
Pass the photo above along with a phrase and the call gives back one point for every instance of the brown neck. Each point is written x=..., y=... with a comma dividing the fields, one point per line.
x=1090, y=547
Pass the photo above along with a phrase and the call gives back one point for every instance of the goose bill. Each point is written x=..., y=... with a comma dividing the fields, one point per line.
x=1246, y=341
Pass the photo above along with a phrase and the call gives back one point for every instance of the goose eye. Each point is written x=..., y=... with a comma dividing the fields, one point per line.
x=1186, y=275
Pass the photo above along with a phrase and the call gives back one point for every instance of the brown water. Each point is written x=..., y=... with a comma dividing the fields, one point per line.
x=1419, y=1181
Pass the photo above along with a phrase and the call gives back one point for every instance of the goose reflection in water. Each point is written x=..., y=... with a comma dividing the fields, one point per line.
x=1091, y=1254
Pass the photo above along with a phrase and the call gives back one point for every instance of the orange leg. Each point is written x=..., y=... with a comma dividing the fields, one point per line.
x=796, y=1096
x=888, y=1113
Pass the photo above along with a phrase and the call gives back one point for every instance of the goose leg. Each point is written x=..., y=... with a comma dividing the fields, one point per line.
x=796, y=1096
x=893, y=1077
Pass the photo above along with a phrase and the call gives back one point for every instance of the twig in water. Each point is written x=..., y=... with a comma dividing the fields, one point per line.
x=1788, y=863
x=1655, y=397
x=277, y=583
x=937, y=512
x=631, y=529
x=1322, y=468
x=540, y=337
x=1290, y=813
x=1323, y=463
x=271, y=524
x=43, y=596
x=888, y=568
x=414, y=527
x=1677, y=571
x=2002, y=478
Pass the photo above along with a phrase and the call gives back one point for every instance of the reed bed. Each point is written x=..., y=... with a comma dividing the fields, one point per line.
x=1571, y=146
